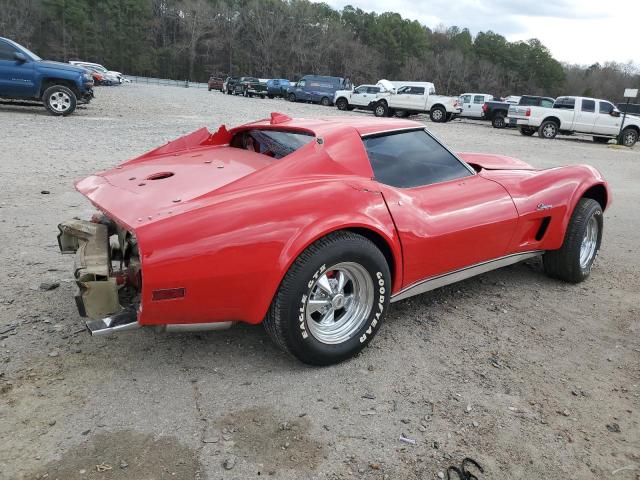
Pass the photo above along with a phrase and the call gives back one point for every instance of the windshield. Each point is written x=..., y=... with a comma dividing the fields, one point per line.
x=30, y=53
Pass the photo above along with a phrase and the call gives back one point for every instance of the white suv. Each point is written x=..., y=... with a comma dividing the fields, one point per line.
x=359, y=97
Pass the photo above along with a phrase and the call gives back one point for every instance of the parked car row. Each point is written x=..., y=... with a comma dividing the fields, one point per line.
x=401, y=99
x=101, y=75
x=550, y=117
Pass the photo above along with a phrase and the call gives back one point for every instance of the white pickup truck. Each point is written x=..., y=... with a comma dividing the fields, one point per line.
x=359, y=97
x=410, y=98
x=591, y=116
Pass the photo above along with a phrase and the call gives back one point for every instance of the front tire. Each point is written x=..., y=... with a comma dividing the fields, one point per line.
x=381, y=109
x=292, y=97
x=59, y=100
x=342, y=104
x=438, y=115
x=572, y=262
x=332, y=301
x=325, y=102
x=629, y=137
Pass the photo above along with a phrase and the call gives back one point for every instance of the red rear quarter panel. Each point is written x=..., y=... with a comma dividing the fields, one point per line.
x=231, y=255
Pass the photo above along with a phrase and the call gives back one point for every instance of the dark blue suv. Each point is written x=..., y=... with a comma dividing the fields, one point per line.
x=25, y=76
x=316, y=89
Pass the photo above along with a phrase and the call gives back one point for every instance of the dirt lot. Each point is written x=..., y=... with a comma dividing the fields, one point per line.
x=533, y=378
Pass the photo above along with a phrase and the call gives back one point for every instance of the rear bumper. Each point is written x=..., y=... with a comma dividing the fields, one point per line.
x=520, y=122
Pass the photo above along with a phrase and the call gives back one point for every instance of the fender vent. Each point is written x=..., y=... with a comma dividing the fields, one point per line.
x=543, y=228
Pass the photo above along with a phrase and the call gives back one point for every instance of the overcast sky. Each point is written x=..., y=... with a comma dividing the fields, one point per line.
x=576, y=31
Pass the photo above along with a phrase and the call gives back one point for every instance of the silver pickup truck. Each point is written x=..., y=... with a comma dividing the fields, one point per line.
x=591, y=116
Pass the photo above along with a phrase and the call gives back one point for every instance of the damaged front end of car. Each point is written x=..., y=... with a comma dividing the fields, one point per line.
x=107, y=272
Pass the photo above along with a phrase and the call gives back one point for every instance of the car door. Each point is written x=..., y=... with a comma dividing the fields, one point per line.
x=359, y=95
x=476, y=106
x=608, y=119
x=408, y=98
x=448, y=217
x=585, y=116
x=17, y=78
x=465, y=101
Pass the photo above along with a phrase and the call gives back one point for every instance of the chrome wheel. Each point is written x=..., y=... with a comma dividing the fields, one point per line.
x=589, y=243
x=549, y=130
x=60, y=102
x=380, y=111
x=437, y=115
x=629, y=138
x=339, y=303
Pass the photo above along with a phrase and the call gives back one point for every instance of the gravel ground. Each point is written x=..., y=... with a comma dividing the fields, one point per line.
x=534, y=378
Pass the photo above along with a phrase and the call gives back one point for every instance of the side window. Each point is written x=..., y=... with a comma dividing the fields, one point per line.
x=360, y=90
x=478, y=99
x=606, y=107
x=412, y=159
x=403, y=90
x=417, y=91
x=567, y=103
x=588, y=105
x=545, y=102
x=6, y=51
x=465, y=98
x=302, y=83
x=373, y=89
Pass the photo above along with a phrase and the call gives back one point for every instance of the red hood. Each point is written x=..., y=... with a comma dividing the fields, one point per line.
x=494, y=162
x=155, y=186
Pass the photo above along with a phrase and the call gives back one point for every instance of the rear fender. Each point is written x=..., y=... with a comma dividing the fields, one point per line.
x=231, y=255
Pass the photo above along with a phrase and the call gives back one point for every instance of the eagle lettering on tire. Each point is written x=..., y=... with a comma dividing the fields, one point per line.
x=332, y=301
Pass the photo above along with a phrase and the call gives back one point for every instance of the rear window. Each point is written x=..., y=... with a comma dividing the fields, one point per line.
x=412, y=159
x=273, y=143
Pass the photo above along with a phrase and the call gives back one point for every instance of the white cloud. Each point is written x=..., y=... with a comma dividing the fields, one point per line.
x=576, y=31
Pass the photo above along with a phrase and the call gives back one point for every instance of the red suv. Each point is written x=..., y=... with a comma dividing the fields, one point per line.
x=215, y=83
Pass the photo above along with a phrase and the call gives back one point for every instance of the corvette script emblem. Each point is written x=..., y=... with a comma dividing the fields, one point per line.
x=543, y=206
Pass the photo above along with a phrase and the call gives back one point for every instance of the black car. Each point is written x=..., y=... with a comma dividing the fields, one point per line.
x=229, y=85
x=250, y=86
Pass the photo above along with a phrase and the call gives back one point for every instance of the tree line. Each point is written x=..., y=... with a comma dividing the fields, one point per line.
x=191, y=39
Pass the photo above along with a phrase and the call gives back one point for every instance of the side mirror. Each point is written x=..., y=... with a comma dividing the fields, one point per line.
x=615, y=113
x=20, y=57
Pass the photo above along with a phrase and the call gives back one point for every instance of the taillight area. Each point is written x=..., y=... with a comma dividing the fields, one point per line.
x=527, y=113
x=485, y=107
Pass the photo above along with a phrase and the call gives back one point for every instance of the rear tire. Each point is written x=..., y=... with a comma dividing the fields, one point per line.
x=548, y=130
x=381, y=109
x=332, y=301
x=498, y=121
x=292, y=97
x=527, y=131
x=438, y=115
x=572, y=262
x=59, y=100
x=629, y=137
x=342, y=104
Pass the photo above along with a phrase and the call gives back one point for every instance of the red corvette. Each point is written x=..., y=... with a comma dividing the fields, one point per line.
x=313, y=226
